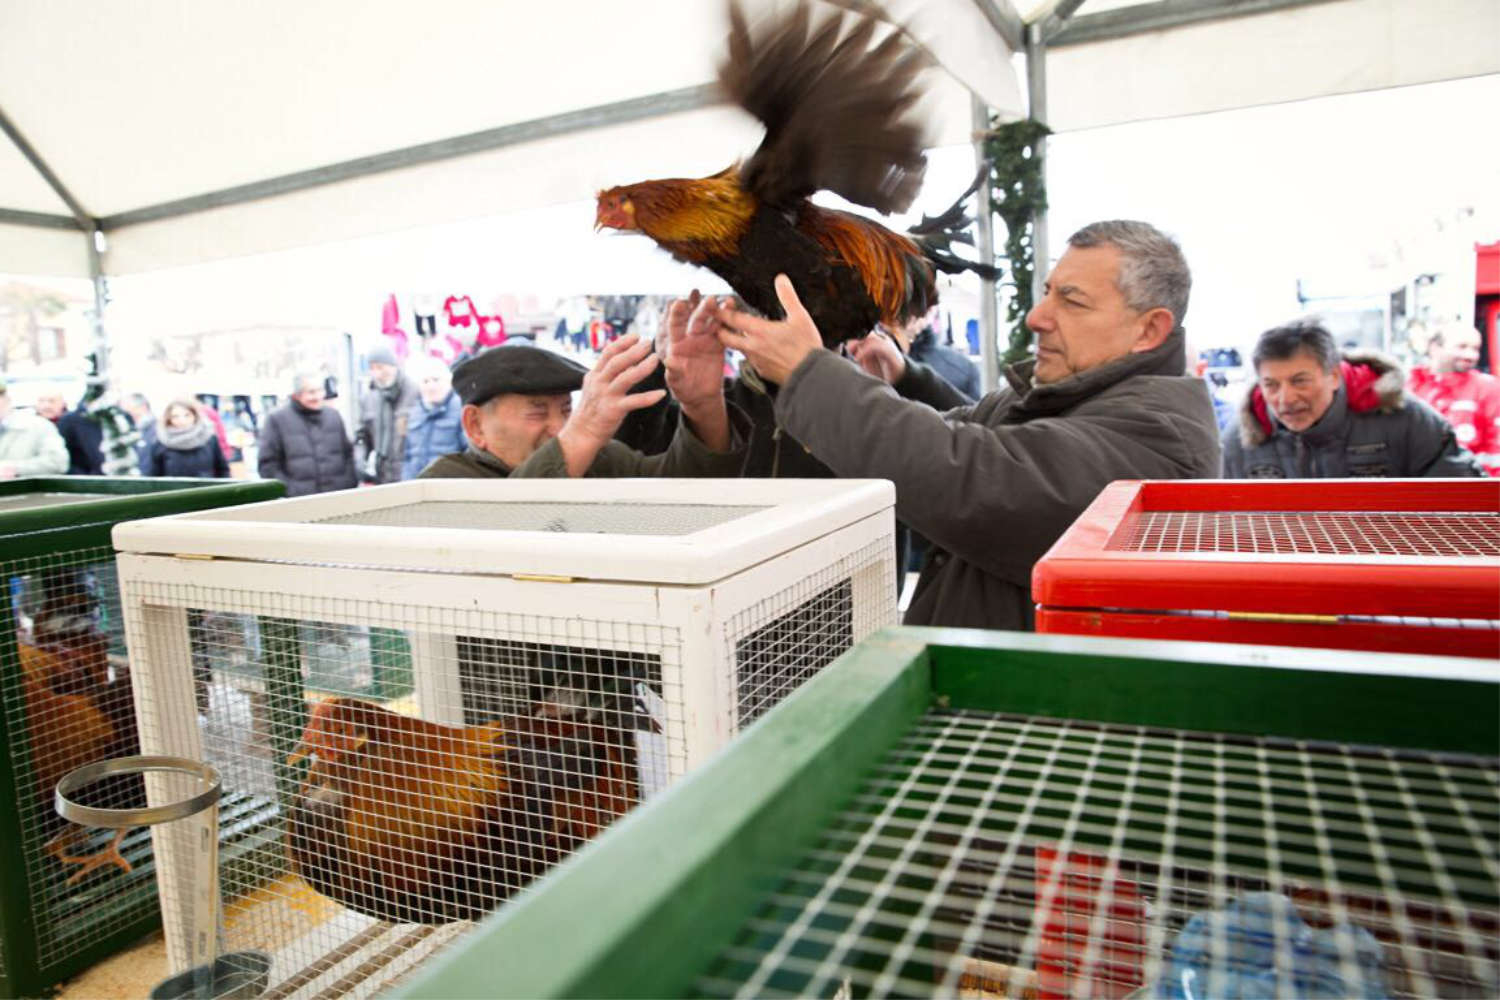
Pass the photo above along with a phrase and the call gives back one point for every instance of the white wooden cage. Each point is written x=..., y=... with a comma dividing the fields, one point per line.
x=567, y=647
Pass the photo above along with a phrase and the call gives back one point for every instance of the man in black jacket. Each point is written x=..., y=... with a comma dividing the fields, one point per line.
x=304, y=444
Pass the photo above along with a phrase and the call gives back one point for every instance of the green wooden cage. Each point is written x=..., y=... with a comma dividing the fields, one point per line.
x=65, y=700
x=950, y=813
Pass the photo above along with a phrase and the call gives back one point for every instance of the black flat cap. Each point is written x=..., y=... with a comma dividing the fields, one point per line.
x=519, y=368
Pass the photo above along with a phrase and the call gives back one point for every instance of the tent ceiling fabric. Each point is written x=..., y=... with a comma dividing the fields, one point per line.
x=142, y=102
x=1339, y=47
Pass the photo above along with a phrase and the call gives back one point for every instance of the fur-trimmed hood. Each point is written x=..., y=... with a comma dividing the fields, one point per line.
x=1372, y=380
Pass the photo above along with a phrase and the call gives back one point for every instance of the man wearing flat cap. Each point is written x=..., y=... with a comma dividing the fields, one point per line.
x=520, y=421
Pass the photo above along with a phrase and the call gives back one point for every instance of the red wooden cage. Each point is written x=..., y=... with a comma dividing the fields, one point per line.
x=1399, y=565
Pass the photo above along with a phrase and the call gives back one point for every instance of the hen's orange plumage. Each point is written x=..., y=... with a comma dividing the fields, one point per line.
x=77, y=715
x=835, y=106
x=409, y=820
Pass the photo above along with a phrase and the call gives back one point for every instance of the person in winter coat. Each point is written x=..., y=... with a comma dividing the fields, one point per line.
x=83, y=437
x=303, y=443
x=994, y=484
x=434, y=424
x=384, y=409
x=139, y=408
x=1467, y=399
x=29, y=444
x=186, y=445
x=1314, y=414
x=956, y=369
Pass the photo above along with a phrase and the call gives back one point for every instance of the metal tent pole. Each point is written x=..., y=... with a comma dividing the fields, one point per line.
x=989, y=321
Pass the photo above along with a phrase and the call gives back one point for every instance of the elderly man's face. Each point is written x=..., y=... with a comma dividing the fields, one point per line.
x=311, y=395
x=434, y=387
x=1459, y=351
x=1083, y=321
x=512, y=426
x=1297, y=389
x=50, y=405
x=382, y=374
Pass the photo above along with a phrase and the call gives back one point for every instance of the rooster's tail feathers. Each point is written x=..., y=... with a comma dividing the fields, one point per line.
x=937, y=234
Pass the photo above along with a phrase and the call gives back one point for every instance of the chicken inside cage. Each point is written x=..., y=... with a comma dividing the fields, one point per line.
x=363, y=819
x=77, y=701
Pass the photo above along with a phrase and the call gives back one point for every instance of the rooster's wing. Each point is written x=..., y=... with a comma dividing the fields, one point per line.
x=835, y=109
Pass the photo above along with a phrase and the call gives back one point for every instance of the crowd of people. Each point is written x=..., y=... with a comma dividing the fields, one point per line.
x=984, y=484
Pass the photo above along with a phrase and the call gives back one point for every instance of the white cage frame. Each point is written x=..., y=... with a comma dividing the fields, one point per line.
x=689, y=587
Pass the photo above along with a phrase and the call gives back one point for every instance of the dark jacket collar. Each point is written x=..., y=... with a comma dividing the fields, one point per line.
x=487, y=460
x=1170, y=358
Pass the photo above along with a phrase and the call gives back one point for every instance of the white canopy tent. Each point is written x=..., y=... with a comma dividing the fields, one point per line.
x=189, y=132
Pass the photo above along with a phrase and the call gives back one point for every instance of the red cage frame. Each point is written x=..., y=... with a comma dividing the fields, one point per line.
x=1083, y=586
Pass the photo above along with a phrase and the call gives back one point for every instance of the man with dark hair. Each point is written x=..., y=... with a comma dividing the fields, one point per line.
x=993, y=484
x=1317, y=414
x=1466, y=397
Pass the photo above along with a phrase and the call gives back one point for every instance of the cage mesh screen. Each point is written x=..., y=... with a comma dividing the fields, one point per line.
x=31, y=501
x=785, y=639
x=371, y=833
x=65, y=691
x=613, y=518
x=1423, y=533
x=996, y=855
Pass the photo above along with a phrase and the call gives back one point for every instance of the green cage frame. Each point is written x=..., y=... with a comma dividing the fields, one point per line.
x=643, y=911
x=33, y=532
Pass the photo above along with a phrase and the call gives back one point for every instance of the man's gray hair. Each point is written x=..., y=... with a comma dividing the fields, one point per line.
x=1153, y=272
x=305, y=380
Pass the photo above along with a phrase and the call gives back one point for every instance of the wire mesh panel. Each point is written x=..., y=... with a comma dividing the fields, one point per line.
x=67, y=702
x=570, y=518
x=948, y=813
x=1417, y=533
x=785, y=639
x=1022, y=855
x=414, y=745
x=1383, y=565
x=70, y=896
x=372, y=813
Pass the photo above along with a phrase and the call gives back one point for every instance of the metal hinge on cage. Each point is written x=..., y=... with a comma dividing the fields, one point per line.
x=1271, y=616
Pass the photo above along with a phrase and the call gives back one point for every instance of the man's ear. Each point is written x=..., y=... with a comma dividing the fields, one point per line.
x=469, y=417
x=1158, y=326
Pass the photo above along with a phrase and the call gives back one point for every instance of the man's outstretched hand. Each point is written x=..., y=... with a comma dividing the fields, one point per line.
x=606, y=399
x=774, y=347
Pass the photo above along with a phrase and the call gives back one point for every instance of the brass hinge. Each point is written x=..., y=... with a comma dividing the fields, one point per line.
x=1271, y=616
x=541, y=578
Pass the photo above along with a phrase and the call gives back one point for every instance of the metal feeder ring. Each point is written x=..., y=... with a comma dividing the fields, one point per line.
x=124, y=819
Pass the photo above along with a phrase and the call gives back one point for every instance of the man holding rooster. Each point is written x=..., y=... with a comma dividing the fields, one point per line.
x=995, y=483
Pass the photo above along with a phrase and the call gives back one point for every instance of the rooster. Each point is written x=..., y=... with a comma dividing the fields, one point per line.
x=835, y=108
x=78, y=714
x=413, y=821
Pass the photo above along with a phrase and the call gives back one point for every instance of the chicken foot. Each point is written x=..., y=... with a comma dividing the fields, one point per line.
x=110, y=855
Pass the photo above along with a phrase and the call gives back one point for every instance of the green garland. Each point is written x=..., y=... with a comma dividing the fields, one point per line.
x=1018, y=195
